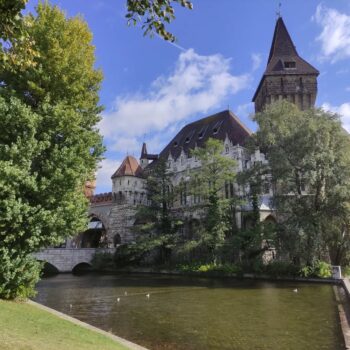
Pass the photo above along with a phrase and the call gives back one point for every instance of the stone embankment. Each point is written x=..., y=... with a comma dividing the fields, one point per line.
x=344, y=311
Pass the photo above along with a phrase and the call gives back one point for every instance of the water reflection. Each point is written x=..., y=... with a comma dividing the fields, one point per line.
x=196, y=313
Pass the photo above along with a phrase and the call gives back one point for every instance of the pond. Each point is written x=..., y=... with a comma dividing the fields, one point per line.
x=173, y=312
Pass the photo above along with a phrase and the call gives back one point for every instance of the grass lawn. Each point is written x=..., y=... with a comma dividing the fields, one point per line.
x=24, y=326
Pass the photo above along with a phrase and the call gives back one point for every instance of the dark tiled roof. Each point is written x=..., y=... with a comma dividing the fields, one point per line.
x=283, y=50
x=197, y=133
x=129, y=167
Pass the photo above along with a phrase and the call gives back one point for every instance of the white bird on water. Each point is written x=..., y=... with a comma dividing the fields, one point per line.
x=147, y=296
x=118, y=300
x=295, y=290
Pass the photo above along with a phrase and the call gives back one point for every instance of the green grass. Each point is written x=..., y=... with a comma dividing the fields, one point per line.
x=24, y=326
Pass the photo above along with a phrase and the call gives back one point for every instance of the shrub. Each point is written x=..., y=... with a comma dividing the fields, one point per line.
x=320, y=269
x=323, y=269
x=280, y=268
x=19, y=274
x=225, y=269
x=346, y=271
x=102, y=261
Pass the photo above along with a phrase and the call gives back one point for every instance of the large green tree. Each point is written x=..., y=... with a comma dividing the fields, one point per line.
x=49, y=145
x=212, y=182
x=309, y=160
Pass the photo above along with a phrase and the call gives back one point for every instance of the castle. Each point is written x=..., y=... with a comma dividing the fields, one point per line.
x=287, y=76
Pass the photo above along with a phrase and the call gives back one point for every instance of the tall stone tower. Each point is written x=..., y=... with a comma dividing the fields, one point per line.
x=287, y=75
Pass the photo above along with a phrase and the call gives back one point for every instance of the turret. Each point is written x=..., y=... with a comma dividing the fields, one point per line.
x=143, y=159
x=128, y=182
x=287, y=75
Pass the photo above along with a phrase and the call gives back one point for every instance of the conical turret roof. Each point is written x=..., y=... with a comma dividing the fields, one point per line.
x=129, y=167
x=284, y=58
x=283, y=51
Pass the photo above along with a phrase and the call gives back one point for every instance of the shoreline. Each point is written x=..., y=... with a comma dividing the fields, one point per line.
x=130, y=345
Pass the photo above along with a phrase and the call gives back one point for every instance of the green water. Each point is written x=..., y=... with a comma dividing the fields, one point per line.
x=199, y=314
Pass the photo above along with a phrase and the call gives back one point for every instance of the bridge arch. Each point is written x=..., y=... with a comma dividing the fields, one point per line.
x=49, y=268
x=82, y=267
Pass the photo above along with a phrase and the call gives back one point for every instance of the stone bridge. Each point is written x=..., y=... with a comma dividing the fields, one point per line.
x=68, y=259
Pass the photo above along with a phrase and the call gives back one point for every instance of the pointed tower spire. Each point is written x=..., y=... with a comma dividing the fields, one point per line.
x=144, y=156
x=144, y=151
x=287, y=75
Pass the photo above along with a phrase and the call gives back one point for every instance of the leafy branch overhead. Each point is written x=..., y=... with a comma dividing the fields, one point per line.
x=153, y=14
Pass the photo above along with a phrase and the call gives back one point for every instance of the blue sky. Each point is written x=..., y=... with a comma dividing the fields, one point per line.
x=152, y=88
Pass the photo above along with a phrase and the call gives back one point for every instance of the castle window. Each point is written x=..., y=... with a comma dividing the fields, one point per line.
x=227, y=149
x=187, y=140
x=175, y=144
x=290, y=65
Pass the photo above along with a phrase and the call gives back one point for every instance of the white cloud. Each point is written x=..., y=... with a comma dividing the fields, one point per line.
x=344, y=112
x=245, y=110
x=257, y=59
x=197, y=84
x=106, y=169
x=335, y=35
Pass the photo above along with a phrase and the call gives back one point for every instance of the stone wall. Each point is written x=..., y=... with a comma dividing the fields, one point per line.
x=298, y=89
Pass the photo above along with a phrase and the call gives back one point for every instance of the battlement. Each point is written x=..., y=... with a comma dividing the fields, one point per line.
x=106, y=197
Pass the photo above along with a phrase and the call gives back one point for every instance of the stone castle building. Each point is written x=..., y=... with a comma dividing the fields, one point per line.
x=287, y=76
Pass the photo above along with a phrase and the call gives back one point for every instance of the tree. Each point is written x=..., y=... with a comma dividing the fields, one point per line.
x=158, y=223
x=309, y=157
x=13, y=34
x=49, y=146
x=254, y=238
x=214, y=175
x=154, y=14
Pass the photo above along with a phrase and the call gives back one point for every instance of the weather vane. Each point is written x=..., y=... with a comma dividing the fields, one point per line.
x=278, y=12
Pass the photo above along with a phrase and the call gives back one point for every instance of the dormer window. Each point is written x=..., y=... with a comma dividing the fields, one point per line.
x=217, y=127
x=187, y=140
x=202, y=132
x=227, y=149
x=175, y=144
x=290, y=65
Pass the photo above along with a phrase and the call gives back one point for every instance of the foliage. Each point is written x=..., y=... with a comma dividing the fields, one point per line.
x=154, y=15
x=102, y=261
x=309, y=160
x=216, y=172
x=19, y=274
x=225, y=269
x=281, y=269
x=319, y=269
x=157, y=223
x=145, y=246
x=49, y=145
x=13, y=35
x=346, y=271
x=63, y=70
